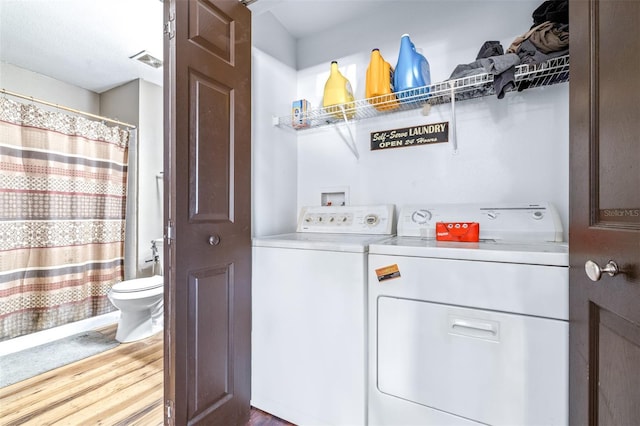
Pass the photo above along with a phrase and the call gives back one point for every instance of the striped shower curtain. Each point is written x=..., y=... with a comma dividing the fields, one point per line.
x=62, y=217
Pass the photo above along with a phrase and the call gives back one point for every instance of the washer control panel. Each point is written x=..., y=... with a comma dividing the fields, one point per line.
x=376, y=219
x=505, y=222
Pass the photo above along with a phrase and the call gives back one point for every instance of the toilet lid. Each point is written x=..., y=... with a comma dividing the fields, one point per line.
x=138, y=284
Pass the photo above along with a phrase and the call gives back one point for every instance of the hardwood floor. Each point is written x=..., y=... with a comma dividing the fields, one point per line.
x=260, y=418
x=121, y=386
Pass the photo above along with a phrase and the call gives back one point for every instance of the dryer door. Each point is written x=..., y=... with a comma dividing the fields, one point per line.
x=491, y=367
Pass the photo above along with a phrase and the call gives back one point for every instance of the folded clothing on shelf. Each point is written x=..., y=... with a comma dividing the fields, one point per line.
x=490, y=60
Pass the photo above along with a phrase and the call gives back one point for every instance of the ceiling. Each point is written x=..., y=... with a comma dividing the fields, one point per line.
x=89, y=43
x=302, y=18
x=86, y=43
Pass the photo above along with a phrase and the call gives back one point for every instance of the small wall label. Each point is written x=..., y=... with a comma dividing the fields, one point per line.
x=388, y=272
x=423, y=134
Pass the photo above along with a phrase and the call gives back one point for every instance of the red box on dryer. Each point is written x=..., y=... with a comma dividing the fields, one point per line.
x=458, y=231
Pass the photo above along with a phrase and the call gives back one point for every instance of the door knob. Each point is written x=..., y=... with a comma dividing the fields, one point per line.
x=214, y=240
x=594, y=271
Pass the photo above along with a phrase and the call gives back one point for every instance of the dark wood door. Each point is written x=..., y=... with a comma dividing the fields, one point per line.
x=208, y=210
x=605, y=212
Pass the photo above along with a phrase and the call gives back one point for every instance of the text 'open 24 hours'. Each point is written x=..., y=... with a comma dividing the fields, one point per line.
x=423, y=134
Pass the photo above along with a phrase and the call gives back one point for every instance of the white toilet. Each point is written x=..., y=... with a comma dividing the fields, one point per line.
x=141, y=305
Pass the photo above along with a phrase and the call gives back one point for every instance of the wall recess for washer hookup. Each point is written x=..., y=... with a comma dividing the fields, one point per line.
x=334, y=197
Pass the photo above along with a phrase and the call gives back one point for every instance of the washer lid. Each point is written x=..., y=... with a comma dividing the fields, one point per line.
x=531, y=253
x=355, y=243
x=138, y=284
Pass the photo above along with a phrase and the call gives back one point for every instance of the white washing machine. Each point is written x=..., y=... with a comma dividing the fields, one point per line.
x=309, y=294
x=467, y=333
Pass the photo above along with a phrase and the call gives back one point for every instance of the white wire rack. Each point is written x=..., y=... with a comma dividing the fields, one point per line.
x=529, y=76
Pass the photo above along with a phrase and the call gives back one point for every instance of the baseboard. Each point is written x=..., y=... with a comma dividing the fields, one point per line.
x=45, y=336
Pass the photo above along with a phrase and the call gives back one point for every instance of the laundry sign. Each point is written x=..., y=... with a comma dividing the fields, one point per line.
x=423, y=134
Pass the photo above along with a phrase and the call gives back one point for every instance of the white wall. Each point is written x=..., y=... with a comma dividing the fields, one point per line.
x=141, y=103
x=446, y=30
x=29, y=83
x=269, y=36
x=274, y=151
x=122, y=102
x=509, y=150
x=150, y=177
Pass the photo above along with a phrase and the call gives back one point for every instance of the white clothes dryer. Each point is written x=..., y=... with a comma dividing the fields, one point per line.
x=309, y=295
x=470, y=333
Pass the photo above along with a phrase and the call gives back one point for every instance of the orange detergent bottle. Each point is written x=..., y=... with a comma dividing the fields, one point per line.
x=338, y=94
x=379, y=83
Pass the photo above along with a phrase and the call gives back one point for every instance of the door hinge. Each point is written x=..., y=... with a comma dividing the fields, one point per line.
x=170, y=234
x=170, y=27
x=168, y=412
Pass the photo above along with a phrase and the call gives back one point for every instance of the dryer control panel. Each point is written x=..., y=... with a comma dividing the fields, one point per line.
x=377, y=219
x=500, y=222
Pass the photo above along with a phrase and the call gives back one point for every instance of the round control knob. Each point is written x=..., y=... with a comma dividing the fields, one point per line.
x=492, y=215
x=538, y=215
x=371, y=219
x=421, y=216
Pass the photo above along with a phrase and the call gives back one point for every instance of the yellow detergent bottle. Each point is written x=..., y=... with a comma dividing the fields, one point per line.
x=338, y=94
x=379, y=84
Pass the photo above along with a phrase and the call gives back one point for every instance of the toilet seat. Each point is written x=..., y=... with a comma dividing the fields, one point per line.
x=137, y=285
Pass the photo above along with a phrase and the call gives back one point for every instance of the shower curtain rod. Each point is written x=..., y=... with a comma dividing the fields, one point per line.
x=76, y=111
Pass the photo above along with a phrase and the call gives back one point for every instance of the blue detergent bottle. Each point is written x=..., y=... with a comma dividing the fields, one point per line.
x=411, y=72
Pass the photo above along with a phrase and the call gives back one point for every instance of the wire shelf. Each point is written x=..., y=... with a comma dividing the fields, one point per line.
x=527, y=76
